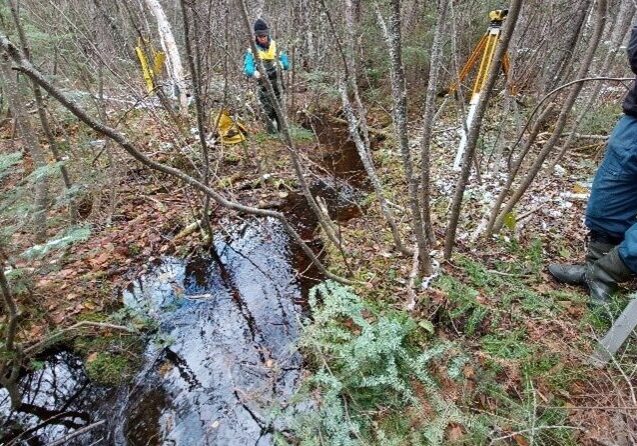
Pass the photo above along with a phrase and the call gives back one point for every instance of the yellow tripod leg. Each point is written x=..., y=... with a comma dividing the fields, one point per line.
x=485, y=63
x=471, y=61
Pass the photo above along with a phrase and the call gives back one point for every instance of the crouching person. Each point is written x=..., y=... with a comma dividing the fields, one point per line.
x=611, y=214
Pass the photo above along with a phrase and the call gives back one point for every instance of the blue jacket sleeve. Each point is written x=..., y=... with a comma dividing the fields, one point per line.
x=632, y=50
x=285, y=62
x=248, y=64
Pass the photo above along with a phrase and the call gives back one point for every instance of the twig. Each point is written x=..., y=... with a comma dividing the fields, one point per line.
x=556, y=90
x=590, y=407
x=411, y=304
x=40, y=344
x=532, y=430
x=77, y=433
x=581, y=136
x=500, y=273
x=623, y=373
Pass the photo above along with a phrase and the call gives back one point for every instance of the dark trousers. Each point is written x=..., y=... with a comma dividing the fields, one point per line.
x=612, y=207
x=267, y=103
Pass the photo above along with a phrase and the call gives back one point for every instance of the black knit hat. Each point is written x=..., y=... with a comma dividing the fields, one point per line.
x=261, y=28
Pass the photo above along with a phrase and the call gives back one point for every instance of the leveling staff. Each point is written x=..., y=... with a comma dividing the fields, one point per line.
x=611, y=214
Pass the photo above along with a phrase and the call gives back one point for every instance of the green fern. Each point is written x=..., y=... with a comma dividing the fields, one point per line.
x=367, y=364
x=70, y=237
x=8, y=162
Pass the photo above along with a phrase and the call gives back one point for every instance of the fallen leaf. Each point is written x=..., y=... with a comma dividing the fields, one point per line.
x=455, y=433
x=100, y=260
x=427, y=325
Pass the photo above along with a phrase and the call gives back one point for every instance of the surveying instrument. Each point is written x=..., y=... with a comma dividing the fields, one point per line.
x=483, y=51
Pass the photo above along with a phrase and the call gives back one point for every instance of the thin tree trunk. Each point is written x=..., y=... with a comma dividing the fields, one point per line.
x=32, y=146
x=561, y=121
x=619, y=29
x=351, y=65
x=357, y=124
x=195, y=75
x=9, y=369
x=287, y=138
x=27, y=68
x=474, y=131
x=173, y=60
x=428, y=120
x=42, y=111
x=565, y=56
x=513, y=171
x=399, y=93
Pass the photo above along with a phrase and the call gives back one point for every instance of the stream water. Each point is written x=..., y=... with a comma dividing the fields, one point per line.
x=223, y=358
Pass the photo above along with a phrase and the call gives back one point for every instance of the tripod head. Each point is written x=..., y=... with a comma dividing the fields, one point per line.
x=497, y=16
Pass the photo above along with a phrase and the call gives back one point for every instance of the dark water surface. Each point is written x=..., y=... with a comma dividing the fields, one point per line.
x=223, y=359
x=231, y=325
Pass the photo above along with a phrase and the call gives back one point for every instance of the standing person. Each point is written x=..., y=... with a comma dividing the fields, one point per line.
x=611, y=214
x=273, y=61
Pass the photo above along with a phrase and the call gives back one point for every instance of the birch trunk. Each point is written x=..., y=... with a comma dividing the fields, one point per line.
x=168, y=44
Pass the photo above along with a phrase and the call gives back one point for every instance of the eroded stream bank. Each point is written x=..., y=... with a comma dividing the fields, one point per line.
x=223, y=357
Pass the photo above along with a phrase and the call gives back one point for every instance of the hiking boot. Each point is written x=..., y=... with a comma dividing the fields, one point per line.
x=574, y=274
x=603, y=276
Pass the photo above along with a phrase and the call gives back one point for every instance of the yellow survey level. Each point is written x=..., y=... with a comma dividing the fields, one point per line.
x=484, y=51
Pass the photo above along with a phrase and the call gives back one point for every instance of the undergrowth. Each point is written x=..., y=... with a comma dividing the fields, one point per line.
x=374, y=378
x=473, y=368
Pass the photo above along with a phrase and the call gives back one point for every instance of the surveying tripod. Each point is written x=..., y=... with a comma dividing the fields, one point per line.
x=484, y=50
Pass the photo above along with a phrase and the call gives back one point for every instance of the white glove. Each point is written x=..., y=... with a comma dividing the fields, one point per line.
x=256, y=74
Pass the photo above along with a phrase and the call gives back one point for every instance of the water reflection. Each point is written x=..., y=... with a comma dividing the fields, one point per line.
x=231, y=322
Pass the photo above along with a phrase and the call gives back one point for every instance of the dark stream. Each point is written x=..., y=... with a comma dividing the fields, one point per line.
x=223, y=358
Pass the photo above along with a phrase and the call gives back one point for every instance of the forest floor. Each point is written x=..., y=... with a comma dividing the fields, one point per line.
x=526, y=339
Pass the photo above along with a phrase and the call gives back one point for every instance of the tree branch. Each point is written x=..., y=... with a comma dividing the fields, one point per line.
x=27, y=68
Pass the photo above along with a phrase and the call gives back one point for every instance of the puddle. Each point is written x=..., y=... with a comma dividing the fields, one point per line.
x=231, y=323
x=56, y=399
x=223, y=357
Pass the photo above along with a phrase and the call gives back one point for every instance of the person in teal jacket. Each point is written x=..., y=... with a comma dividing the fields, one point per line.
x=273, y=61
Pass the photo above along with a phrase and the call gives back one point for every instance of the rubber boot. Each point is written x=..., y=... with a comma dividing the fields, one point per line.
x=603, y=276
x=574, y=274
